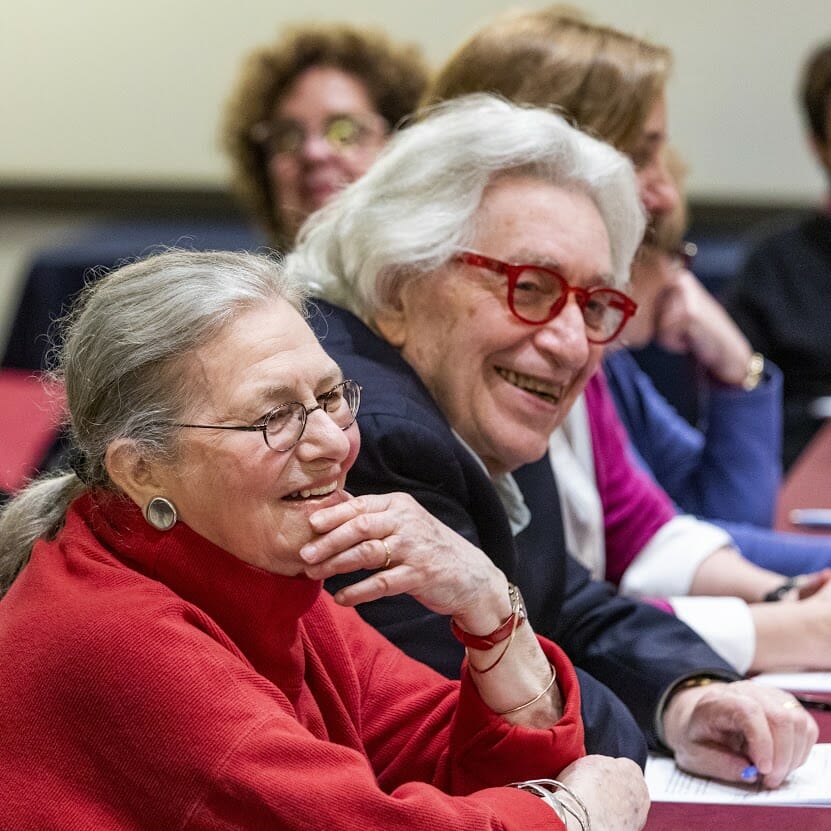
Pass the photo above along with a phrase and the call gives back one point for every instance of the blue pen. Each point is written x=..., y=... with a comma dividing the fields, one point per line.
x=750, y=773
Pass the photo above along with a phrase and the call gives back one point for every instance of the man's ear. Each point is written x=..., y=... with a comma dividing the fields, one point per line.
x=392, y=324
x=131, y=472
x=393, y=319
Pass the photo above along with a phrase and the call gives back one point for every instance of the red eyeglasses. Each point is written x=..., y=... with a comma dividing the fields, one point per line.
x=537, y=294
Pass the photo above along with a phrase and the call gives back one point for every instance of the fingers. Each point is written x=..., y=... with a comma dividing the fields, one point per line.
x=325, y=520
x=357, y=543
x=673, y=325
x=691, y=319
x=810, y=584
x=416, y=554
x=739, y=722
x=717, y=762
x=384, y=583
x=352, y=534
x=743, y=732
x=794, y=733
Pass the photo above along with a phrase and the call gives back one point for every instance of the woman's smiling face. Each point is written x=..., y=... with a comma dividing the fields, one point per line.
x=505, y=385
x=229, y=486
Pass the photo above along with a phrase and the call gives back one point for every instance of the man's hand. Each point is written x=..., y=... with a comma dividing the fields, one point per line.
x=726, y=730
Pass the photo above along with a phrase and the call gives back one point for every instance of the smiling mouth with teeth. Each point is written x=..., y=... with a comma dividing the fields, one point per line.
x=323, y=490
x=547, y=392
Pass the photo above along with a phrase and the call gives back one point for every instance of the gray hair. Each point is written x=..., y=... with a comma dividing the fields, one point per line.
x=416, y=206
x=122, y=363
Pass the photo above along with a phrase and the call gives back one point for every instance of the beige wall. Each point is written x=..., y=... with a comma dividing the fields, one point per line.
x=129, y=90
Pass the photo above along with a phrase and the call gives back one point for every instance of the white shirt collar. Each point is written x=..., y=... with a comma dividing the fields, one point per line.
x=508, y=492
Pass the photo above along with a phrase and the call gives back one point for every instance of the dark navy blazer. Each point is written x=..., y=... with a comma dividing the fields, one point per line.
x=407, y=445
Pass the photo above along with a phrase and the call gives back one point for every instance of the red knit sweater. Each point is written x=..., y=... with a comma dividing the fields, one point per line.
x=153, y=681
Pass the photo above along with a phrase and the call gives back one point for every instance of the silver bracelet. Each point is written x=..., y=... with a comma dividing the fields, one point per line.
x=581, y=813
x=556, y=790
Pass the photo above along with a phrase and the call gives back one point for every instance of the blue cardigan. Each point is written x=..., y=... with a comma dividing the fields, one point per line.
x=729, y=471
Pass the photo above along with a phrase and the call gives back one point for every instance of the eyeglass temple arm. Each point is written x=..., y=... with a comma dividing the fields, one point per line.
x=482, y=261
x=247, y=428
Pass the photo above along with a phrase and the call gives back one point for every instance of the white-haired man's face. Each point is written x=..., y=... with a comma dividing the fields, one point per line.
x=505, y=385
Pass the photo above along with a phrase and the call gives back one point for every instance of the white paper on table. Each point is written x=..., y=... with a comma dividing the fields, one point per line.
x=808, y=785
x=803, y=681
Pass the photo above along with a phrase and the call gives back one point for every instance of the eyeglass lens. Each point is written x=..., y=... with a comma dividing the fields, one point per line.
x=341, y=132
x=537, y=293
x=285, y=425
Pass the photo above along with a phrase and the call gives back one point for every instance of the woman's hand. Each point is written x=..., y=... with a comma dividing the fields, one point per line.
x=807, y=585
x=690, y=319
x=416, y=554
x=795, y=633
x=428, y=560
x=613, y=791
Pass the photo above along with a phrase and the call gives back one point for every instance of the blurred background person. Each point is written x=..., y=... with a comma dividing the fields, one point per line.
x=610, y=83
x=708, y=471
x=728, y=471
x=309, y=114
x=780, y=297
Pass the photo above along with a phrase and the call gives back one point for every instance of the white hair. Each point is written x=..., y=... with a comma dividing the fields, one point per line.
x=416, y=207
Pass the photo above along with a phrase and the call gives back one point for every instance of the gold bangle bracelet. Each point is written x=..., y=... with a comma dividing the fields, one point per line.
x=535, y=699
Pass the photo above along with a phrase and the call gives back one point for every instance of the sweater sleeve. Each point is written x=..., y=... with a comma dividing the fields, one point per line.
x=417, y=724
x=433, y=755
x=786, y=553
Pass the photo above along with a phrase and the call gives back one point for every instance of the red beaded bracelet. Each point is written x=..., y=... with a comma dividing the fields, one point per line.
x=485, y=642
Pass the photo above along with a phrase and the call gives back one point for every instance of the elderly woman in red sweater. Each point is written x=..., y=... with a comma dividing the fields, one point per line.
x=176, y=661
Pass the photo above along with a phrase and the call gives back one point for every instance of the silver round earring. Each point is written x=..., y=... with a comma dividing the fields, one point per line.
x=161, y=513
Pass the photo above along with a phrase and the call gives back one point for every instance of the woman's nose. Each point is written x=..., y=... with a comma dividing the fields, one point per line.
x=315, y=147
x=659, y=193
x=322, y=437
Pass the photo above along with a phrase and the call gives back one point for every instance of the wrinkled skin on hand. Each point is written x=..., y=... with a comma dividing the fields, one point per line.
x=613, y=791
x=428, y=560
x=720, y=729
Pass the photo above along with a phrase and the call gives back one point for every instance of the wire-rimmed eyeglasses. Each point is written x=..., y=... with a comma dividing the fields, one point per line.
x=537, y=294
x=283, y=427
x=341, y=131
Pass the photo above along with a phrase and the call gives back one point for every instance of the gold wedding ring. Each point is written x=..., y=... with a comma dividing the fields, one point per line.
x=388, y=561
